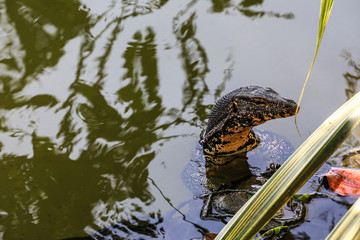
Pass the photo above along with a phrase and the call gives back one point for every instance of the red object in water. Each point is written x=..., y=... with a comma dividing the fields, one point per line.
x=344, y=181
x=210, y=236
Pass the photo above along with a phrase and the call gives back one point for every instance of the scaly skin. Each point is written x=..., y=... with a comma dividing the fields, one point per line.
x=234, y=115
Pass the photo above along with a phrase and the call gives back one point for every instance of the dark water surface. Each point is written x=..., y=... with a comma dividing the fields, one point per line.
x=102, y=104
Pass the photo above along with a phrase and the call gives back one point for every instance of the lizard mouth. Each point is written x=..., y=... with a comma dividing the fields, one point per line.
x=286, y=108
x=290, y=108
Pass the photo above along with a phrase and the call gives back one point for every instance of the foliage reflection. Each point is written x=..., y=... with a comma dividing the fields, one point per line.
x=78, y=160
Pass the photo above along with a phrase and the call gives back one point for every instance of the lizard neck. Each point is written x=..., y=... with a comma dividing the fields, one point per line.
x=231, y=141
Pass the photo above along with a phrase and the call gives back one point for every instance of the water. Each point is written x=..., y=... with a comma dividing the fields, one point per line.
x=102, y=103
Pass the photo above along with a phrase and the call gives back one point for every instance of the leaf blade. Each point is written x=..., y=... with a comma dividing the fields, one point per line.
x=325, y=10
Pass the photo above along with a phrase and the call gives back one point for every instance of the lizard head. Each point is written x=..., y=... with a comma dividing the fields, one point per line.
x=240, y=110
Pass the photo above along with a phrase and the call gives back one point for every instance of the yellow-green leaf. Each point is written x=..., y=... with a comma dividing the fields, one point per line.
x=325, y=9
x=272, y=232
x=302, y=197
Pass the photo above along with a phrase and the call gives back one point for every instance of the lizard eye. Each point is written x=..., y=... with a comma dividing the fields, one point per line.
x=270, y=90
x=234, y=107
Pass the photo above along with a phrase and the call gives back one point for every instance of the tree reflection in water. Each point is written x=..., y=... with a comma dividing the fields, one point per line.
x=247, y=8
x=79, y=161
x=347, y=155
